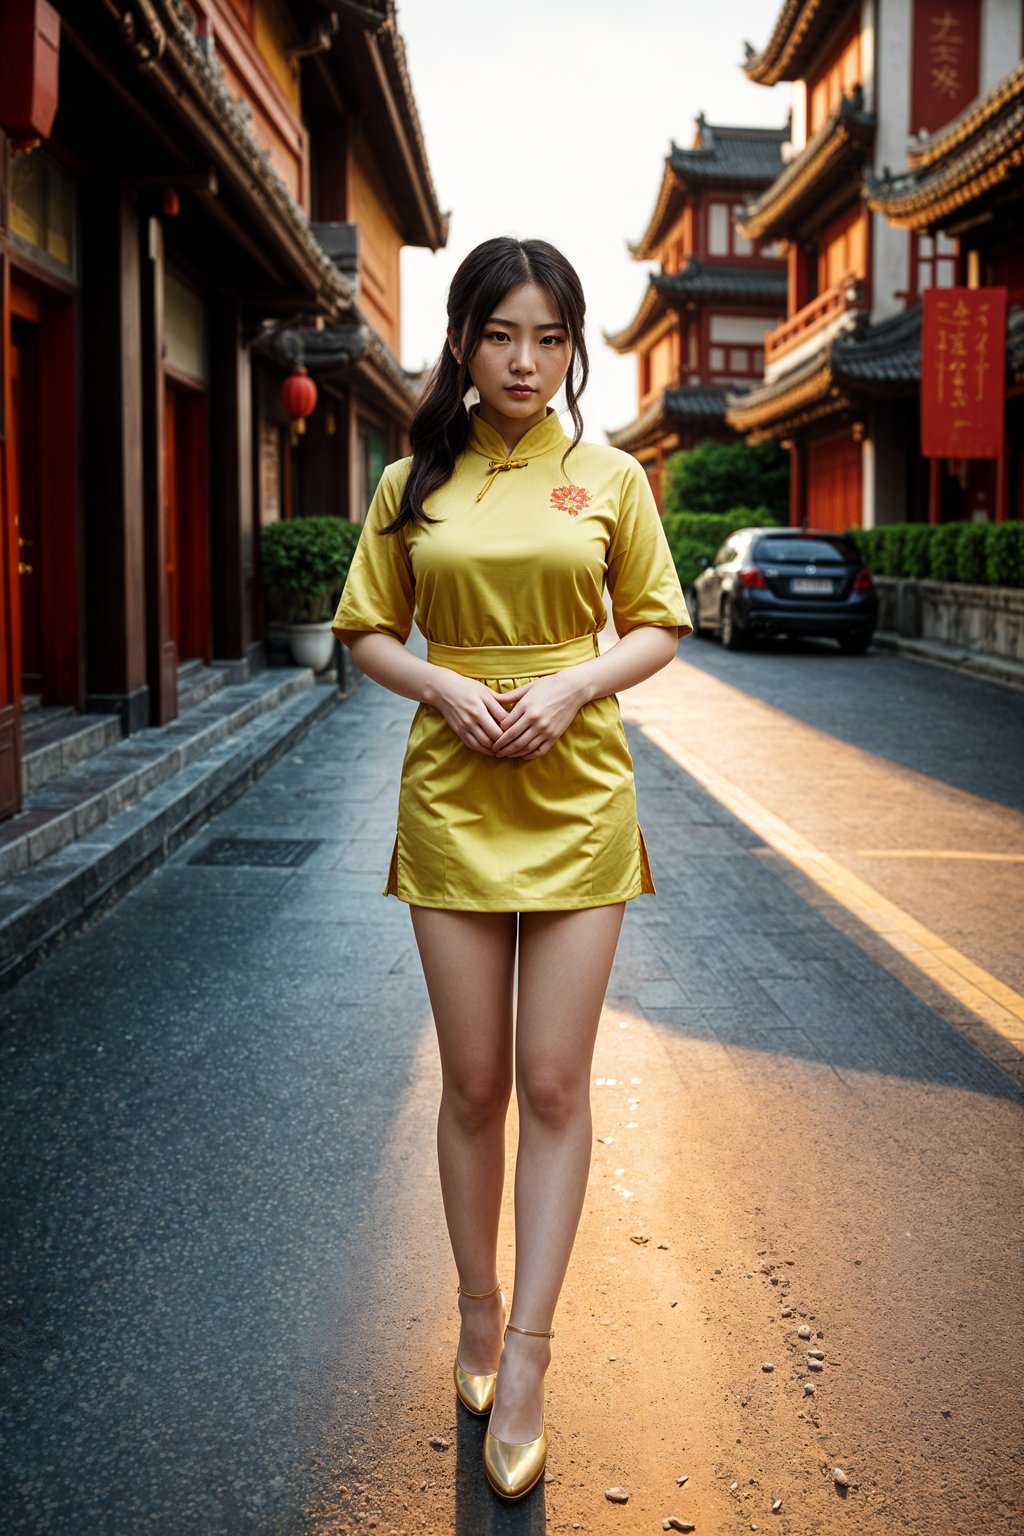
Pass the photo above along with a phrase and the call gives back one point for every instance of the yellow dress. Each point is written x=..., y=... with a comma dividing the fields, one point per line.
x=507, y=585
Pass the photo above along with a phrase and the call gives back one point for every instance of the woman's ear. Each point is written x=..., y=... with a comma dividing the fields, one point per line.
x=454, y=347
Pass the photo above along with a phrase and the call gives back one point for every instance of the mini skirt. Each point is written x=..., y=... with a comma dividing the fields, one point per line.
x=484, y=834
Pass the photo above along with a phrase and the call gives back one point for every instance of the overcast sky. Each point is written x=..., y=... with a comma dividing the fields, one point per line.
x=552, y=118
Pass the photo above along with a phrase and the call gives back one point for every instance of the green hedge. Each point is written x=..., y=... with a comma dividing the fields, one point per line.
x=981, y=554
x=304, y=563
x=693, y=534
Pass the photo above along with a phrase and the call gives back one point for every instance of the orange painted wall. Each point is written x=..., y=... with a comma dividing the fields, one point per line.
x=835, y=78
x=834, y=482
x=843, y=248
x=252, y=54
x=379, y=247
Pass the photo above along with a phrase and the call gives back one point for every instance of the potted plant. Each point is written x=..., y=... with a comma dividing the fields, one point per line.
x=304, y=563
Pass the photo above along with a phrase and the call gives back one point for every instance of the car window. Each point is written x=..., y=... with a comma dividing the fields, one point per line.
x=806, y=551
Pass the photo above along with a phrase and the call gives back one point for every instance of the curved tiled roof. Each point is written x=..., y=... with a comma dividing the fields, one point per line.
x=162, y=40
x=720, y=154
x=704, y=280
x=694, y=402
x=882, y=359
x=800, y=28
x=700, y=282
x=965, y=170
x=886, y=355
x=836, y=151
x=337, y=350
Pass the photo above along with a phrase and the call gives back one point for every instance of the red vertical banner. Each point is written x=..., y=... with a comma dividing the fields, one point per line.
x=945, y=64
x=963, y=373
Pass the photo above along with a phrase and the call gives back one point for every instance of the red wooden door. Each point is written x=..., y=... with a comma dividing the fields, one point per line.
x=834, y=483
x=24, y=448
x=187, y=548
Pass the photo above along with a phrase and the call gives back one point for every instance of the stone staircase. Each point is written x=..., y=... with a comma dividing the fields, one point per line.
x=101, y=809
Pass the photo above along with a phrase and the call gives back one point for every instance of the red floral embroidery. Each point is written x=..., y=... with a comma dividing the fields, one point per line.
x=570, y=498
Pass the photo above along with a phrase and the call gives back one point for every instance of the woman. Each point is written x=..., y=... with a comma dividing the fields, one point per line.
x=517, y=810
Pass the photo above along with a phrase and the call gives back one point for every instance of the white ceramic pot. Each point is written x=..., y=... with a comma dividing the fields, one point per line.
x=312, y=644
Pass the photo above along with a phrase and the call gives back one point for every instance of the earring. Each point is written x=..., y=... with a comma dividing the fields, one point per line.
x=458, y=358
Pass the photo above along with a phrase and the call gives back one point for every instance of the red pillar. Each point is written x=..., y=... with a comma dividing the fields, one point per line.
x=935, y=490
x=797, y=486
x=1002, y=506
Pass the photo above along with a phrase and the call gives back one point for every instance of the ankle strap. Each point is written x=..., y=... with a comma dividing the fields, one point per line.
x=532, y=1333
x=479, y=1295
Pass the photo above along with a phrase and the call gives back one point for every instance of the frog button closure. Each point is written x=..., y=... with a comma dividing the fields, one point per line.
x=506, y=684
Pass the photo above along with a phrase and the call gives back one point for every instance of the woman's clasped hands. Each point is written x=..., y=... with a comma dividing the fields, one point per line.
x=524, y=722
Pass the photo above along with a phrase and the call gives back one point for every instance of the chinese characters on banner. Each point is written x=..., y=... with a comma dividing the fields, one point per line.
x=963, y=373
x=945, y=75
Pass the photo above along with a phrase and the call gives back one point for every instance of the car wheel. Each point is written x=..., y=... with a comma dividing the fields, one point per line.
x=854, y=645
x=732, y=635
x=700, y=631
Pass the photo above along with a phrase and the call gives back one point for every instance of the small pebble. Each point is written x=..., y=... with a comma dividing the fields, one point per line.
x=638, y=1237
x=816, y=1354
x=438, y=1443
x=815, y=1365
x=616, y=1495
x=673, y=1523
x=840, y=1478
x=767, y=1366
x=664, y=1246
x=804, y=1331
x=777, y=1506
x=682, y=1481
x=808, y=1389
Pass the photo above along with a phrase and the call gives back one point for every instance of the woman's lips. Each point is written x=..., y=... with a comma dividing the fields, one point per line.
x=519, y=391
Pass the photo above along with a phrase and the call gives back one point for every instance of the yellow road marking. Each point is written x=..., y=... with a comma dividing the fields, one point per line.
x=937, y=853
x=1001, y=1008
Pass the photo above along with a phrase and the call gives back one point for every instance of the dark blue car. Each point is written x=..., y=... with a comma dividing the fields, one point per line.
x=791, y=581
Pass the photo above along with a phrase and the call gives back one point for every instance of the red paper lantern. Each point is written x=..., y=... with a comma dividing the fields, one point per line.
x=298, y=396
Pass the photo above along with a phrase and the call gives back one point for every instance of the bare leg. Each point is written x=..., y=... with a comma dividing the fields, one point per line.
x=564, y=962
x=468, y=961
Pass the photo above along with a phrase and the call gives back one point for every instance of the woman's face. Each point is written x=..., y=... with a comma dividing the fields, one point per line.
x=523, y=356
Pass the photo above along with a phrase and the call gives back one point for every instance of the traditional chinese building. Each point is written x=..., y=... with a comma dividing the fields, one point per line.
x=842, y=372
x=183, y=186
x=966, y=183
x=700, y=327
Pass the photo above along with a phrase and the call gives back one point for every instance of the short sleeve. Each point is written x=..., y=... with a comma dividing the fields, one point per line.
x=379, y=592
x=641, y=573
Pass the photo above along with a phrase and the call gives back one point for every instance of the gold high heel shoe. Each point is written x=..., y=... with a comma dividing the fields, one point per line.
x=476, y=1392
x=512, y=1470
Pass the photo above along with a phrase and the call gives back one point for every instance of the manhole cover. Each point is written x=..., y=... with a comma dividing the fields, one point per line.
x=262, y=852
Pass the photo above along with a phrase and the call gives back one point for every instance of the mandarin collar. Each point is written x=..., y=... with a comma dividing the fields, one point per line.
x=489, y=443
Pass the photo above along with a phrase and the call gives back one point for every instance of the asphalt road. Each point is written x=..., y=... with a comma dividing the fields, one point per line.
x=228, y=1301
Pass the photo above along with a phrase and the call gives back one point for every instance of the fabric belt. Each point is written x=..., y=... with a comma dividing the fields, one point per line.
x=507, y=661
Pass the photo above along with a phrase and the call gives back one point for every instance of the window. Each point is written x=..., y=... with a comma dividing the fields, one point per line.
x=718, y=229
x=42, y=215
x=724, y=239
x=935, y=262
x=372, y=459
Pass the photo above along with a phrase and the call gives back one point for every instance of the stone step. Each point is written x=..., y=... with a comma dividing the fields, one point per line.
x=91, y=792
x=197, y=682
x=60, y=894
x=55, y=739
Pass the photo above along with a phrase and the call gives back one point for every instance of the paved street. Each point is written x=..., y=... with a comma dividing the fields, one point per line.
x=229, y=1303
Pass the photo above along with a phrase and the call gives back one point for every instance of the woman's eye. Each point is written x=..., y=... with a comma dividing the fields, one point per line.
x=497, y=336
x=556, y=341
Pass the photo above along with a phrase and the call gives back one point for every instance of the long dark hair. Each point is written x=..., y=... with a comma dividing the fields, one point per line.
x=439, y=428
